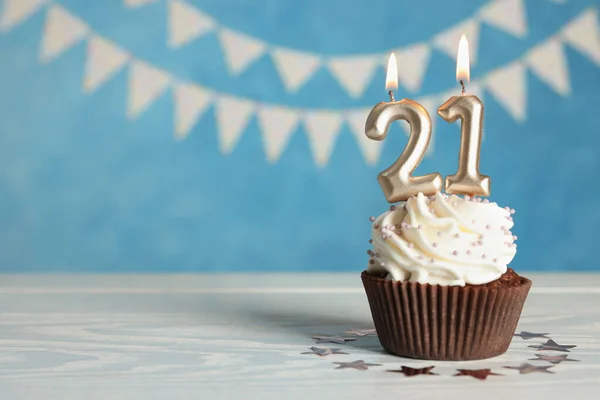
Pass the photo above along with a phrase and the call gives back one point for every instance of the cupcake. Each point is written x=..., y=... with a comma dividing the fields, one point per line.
x=438, y=281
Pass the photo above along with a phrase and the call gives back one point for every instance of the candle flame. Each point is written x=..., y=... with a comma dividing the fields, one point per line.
x=391, y=78
x=462, y=60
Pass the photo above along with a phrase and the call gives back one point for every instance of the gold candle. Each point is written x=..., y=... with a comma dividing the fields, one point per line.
x=397, y=181
x=469, y=108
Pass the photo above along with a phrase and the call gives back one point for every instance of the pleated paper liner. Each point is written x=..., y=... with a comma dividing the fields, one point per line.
x=445, y=323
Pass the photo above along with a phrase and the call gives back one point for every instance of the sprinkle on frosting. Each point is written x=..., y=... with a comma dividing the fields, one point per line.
x=434, y=231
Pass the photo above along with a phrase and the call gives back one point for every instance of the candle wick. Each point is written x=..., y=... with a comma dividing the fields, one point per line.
x=391, y=96
x=462, y=84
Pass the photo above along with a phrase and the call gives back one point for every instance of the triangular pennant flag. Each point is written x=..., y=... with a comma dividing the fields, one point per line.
x=447, y=41
x=146, y=84
x=104, y=59
x=548, y=62
x=240, y=50
x=232, y=116
x=583, y=34
x=294, y=67
x=277, y=125
x=508, y=15
x=187, y=23
x=15, y=12
x=508, y=85
x=138, y=3
x=371, y=149
x=191, y=102
x=62, y=31
x=412, y=65
x=354, y=73
x=322, y=128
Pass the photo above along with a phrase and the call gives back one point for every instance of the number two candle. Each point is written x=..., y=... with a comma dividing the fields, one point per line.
x=397, y=181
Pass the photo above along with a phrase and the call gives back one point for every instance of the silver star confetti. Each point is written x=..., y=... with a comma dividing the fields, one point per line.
x=358, y=364
x=553, y=359
x=552, y=345
x=527, y=368
x=361, y=332
x=528, y=335
x=323, y=352
x=332, y=339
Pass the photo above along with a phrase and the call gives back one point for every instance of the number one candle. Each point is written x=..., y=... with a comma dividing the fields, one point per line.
x=467, y=180
x=397, y=181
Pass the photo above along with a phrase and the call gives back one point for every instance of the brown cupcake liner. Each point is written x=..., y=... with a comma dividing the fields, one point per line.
x=445, y=323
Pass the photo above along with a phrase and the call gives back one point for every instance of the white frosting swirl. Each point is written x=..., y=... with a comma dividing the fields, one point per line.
x=445, y=240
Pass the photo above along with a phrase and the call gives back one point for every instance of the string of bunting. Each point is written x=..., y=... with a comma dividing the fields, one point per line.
x=146, y=83
x=187, y=23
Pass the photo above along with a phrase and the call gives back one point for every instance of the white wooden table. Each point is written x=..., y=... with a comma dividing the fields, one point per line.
x=242, y=337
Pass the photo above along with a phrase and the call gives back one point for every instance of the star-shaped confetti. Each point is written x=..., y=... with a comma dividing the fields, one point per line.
x=361, y=332
x=553, y=359
x=528, y=335
x=323, y=352
x=476, y=373
x=332, y=339
x=408, y=371
x=552, y=345
x=527, y=368
x=358, y=364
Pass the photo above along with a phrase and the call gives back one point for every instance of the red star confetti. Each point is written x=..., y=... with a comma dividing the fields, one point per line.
x=476, y=373
x=408, y=371
x=552, y=345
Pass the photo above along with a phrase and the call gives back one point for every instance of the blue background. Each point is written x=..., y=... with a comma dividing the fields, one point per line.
x=83, y=188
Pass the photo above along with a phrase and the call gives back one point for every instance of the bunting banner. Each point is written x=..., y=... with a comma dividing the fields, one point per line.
x=186, y=23
x=147, y=82
x=354, y=73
